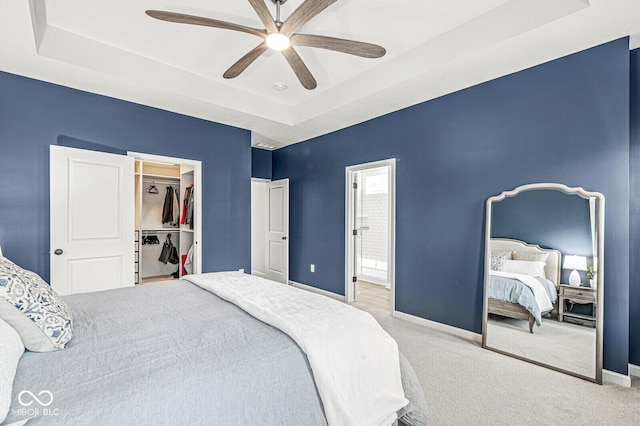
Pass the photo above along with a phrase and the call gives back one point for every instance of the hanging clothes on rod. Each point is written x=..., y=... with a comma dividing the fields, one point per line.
x=171, y=207
x=167, y=208
x=175, y=205
x=187, y=207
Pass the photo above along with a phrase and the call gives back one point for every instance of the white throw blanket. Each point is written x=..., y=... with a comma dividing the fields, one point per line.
x=539, y=292
x=355, y=363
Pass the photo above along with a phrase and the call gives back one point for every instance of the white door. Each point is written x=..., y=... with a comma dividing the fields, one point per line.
x=92, y=220
x=277, y=244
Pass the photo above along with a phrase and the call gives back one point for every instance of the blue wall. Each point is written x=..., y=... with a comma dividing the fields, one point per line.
x=565, y=121
x=34, y=115
x=549, y=218
x=634, y=212
x=261, y=163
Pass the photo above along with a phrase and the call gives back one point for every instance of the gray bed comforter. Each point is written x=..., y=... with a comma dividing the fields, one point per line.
x=514, y=291
x=172, y=353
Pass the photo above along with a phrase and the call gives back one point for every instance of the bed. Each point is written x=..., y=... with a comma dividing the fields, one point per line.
x=513, y=271
x=175, y=353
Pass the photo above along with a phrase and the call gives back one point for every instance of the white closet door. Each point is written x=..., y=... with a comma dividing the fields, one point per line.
x=92, y=220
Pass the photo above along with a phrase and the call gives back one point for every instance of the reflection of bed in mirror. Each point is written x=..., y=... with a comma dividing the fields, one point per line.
x=556, y=216
x=523, y=280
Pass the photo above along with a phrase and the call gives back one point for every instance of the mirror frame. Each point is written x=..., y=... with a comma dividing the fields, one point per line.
x=599, y=277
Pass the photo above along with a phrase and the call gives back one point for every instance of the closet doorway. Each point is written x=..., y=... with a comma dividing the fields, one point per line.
x=370, y=239
x=168, y=209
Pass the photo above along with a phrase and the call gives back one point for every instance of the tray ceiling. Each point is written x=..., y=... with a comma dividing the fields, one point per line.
x=433, y=48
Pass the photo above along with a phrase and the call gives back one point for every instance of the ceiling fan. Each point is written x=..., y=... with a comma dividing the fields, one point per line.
x=281, y=36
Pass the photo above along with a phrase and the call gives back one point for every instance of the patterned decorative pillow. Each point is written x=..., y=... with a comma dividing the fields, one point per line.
x=497, y=258
x=33, y=309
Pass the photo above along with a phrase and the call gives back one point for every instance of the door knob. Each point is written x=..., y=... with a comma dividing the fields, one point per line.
x=284, y=238
x=58, y=252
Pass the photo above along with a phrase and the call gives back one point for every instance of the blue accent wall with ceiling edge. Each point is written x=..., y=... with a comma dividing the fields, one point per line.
x=565, y=121
x=261, y=163
x=34, y=115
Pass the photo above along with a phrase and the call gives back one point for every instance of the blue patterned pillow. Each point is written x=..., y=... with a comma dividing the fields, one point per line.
x=498, y=258
x=33, y=309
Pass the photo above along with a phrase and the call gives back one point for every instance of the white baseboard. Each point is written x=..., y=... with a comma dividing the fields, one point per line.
x=634, y=370
x=318, y=290
x=613, y=378
x=465, y=334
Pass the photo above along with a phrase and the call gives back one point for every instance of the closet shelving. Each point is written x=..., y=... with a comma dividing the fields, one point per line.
x=151, y=181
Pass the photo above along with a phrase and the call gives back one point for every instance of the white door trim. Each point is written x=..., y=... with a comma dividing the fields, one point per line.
x=197, y=181
x=349, y=226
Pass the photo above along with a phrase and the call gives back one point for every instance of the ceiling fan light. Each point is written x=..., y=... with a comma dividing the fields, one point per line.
x=277, y=41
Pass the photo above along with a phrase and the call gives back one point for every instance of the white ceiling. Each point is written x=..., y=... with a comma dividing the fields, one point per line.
x=433, y=48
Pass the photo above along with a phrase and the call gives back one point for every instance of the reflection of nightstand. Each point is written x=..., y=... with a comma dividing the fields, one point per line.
x=580, y=295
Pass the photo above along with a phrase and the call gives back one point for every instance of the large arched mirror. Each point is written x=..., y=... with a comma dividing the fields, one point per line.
x=543, y=286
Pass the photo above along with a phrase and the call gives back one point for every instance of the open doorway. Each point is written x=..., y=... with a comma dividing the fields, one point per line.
x=370, y=242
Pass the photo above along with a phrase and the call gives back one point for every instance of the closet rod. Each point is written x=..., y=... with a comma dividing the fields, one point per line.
x=162, y=182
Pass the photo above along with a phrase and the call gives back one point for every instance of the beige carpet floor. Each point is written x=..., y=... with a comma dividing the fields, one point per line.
x=467, y=385
x=564, y=345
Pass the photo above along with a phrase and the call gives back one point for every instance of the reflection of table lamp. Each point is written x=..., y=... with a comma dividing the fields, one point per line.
x=577, y=263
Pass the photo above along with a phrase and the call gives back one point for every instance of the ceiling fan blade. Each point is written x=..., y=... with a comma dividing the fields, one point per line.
x=352, y=47
x=301, y=70
x=265, y=15
x=206, y=22
x=303, y=14
x=242, y=64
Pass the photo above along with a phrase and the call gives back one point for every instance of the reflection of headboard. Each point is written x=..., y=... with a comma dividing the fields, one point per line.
x=551, y=270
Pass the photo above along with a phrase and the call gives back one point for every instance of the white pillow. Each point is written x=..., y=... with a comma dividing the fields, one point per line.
x=28, y=304
x=11, y=349
x=533, y=268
